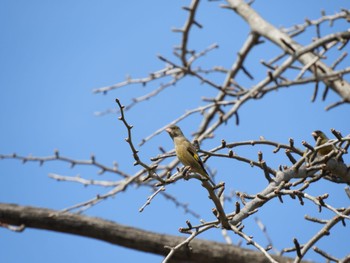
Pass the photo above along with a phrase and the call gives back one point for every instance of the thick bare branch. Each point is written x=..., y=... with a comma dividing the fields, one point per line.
x=199, y=251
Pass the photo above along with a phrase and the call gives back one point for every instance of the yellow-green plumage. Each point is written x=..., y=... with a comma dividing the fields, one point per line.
x=186, y=152
x=321, y=139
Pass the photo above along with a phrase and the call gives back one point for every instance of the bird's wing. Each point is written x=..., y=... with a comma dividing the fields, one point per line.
x=195, y=155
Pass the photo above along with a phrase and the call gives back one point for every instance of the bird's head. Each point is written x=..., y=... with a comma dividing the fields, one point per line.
x=318, y=134
x=174, y=131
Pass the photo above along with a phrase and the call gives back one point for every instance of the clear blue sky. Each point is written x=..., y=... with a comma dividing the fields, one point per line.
x=54, y=53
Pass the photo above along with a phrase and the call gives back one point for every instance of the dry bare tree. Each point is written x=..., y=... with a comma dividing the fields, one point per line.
x=295, y=65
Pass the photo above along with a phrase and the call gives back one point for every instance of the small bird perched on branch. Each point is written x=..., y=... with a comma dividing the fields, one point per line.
x=321, y=139
x=186, y=152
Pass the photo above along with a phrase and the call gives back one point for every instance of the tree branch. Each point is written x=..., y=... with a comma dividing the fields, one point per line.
x=126, y=236
x=263, y=28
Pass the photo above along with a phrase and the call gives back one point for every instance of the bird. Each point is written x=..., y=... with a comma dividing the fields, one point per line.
x=321, y=139
x=186, y=152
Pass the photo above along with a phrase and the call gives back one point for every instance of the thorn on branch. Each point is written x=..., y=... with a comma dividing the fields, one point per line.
x=321, y=69
x=222, y=188
x=289, y=46
x=291, y=142
x=292, y=195
x=290, y=156
x=226, y=7
x=242, y=197
x=325, y=92
x=197, y=24
x=223, y=143
x=314, y=95
x=230, y=153
x=300, y=199
x=240, y=226
x=237, y=118
x=189, y=224
x=343, y=222
x=219, y=185
x=280, y=198
x=297, y=247
x=308, y=22
x=247, y=73
x=92, y=157
x=343, y=43
x=272, y=78
x=321, y=198
x=215, y=213
x=238, y=207
x=268, y=65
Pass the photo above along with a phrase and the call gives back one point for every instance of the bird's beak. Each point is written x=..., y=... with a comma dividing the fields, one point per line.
x=314, y=134
x=168, y=130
